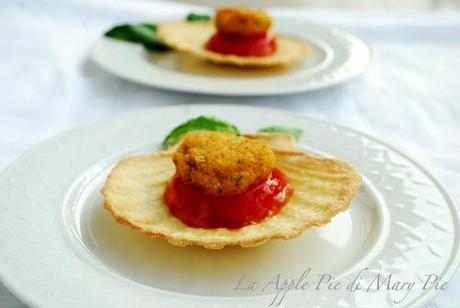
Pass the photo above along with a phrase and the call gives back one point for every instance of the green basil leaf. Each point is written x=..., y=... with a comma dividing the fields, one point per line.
x=198, y=17
x=143, y=33
x=296, y=132
x=146, y=33
x=197, y=124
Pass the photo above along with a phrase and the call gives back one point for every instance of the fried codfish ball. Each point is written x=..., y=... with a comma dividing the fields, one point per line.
x=242, y=21
x=221, y=162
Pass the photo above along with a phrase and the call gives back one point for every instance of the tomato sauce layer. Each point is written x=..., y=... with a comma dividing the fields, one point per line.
x=197, y=209
x=258, y=45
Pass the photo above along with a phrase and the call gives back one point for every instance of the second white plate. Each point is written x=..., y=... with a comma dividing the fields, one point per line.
x=337, y=56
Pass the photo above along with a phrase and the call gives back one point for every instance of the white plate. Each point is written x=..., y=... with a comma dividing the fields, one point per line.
x=336, y=57
x=60, y=248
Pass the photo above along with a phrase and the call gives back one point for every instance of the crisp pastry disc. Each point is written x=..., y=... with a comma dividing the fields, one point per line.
x=190, y=37
x=323, y=187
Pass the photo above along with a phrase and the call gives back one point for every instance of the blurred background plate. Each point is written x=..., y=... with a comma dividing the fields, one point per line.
x=337, y=56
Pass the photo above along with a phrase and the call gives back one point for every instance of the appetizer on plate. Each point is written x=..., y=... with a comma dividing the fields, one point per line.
x=212, y=186
x=236, y=36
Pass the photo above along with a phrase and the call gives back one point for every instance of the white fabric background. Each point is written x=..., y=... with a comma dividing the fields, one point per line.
x=410, y=97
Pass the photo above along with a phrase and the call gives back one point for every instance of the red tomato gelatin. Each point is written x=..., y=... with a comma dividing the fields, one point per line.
x=258, y=45
x=196, y=209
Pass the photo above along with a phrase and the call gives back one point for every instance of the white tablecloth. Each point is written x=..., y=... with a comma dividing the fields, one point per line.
x=410, y=97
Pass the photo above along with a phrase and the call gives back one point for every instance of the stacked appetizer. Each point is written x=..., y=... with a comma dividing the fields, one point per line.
x=212, y=186
x=235, y=36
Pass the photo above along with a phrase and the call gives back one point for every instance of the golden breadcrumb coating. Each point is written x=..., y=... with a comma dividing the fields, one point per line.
x=242, y=21
x=221, y=162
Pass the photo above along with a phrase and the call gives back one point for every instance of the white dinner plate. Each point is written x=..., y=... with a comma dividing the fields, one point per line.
x=336, y=56
x=61, y=248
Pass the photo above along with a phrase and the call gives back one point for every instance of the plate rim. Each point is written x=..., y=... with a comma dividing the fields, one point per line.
x=267, y=91
x=21, y=293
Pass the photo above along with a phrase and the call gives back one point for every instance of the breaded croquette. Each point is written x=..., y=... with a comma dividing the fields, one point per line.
x=221, y=162
x=242, y=21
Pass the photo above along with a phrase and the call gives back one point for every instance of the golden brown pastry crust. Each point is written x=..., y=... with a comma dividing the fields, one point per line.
x=277, y=141
x=190, y=37
x=323, y=187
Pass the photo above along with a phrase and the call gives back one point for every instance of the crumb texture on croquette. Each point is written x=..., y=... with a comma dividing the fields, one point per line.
x=242, y=21
x=323, y=187
x=222, y=163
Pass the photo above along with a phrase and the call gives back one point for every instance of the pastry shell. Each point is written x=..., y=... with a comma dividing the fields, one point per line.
x=191, y=37
x=323, y=187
